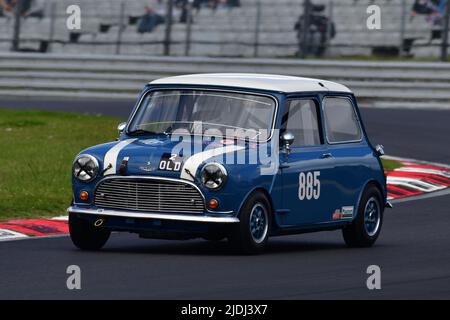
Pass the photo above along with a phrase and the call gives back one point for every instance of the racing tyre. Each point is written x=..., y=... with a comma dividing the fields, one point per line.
x=86, y=237
x=251, y=234
x=365, y=229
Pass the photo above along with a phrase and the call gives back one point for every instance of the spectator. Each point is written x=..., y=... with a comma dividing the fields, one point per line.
x=149, y=21
x=7, y=7
x=184, y=6
x=30, y=8
x=33, y=8
x=317, y=32
x=233, y=3
x=434, y=10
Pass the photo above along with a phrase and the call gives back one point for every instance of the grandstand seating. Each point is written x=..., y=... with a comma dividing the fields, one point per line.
x=223, y=32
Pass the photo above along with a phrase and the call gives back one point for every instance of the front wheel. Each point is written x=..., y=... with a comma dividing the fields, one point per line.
x=250, y=236
x=365, y=229
x=85, y=236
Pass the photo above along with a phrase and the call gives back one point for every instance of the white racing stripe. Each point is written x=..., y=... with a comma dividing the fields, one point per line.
x=196, y=160
x=111, y=156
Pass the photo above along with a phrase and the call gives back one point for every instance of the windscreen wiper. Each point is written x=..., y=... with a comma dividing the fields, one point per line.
x=138, y=132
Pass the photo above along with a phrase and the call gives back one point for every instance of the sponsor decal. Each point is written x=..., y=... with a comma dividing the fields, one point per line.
x=337, y=214
x=343, y=213
x=347, y=212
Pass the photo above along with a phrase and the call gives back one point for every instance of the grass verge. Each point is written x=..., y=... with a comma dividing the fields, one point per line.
x=36, y=153
x=390, y=165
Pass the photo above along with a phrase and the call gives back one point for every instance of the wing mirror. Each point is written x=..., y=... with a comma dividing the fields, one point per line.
x=121, y=127
x=286, y=139
x=379, y=149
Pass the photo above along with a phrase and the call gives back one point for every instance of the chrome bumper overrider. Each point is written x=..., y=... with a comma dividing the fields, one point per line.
x=160, y=216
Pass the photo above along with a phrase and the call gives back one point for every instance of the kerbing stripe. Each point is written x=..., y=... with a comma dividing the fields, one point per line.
x=111, y=156
x=11, y=235
x=196, y=160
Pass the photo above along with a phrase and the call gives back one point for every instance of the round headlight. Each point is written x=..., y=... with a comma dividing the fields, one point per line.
x=85, y=168
x=213, y=176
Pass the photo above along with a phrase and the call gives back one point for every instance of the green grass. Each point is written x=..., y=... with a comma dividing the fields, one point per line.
x=390, y=165
x=36, y=153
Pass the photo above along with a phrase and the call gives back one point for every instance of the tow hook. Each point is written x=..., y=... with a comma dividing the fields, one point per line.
x=99, y=222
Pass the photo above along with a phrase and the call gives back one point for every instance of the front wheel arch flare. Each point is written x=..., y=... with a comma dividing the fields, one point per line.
x=269, y=198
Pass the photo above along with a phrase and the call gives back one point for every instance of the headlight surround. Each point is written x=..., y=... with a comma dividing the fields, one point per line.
x=213, y=176
x=85, y=168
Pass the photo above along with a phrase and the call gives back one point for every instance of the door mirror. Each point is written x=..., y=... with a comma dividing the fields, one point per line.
x=379, y=150
x=121, y=127
x=286, y=139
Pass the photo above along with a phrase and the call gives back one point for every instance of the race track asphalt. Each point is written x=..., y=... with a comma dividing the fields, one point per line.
x=413, y=250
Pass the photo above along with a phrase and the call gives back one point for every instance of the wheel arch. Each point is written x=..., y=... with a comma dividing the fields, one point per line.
x=266, y=194
x=369, y=183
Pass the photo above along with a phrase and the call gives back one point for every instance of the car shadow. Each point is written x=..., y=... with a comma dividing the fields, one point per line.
x=219, y=248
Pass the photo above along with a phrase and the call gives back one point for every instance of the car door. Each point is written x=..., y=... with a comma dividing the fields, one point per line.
x=349, y=148
x=306, y=170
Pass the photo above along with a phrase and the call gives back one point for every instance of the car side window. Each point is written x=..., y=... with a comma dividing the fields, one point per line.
x=301, y=118
x=341, y=120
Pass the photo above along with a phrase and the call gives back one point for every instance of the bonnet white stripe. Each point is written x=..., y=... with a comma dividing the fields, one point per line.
x=196, y=160
x=111, y=156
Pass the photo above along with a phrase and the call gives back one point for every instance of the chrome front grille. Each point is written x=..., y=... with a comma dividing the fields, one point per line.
x=148, y=195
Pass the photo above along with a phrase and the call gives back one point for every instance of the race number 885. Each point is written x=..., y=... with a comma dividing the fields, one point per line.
x=309, y=185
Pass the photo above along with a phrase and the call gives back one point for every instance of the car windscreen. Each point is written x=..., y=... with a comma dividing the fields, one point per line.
x=165, y=111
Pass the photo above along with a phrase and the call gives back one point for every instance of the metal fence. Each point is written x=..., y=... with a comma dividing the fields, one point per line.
x=246, y=28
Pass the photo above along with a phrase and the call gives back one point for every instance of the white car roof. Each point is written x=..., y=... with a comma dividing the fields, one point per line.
x=255, y=81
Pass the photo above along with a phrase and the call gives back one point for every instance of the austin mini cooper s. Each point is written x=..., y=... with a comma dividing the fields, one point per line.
x=233, y=156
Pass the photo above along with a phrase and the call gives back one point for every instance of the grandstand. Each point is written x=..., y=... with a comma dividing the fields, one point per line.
x=224, y=32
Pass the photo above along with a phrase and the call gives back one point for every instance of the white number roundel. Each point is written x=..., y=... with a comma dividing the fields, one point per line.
x=309, y=185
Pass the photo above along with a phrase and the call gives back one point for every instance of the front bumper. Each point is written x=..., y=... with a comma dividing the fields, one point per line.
x=158, y=216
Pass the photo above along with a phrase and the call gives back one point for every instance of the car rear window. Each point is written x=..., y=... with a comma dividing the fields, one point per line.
x=341, y=120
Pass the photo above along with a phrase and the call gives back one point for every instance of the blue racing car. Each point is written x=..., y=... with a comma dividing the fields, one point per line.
x=236, y=156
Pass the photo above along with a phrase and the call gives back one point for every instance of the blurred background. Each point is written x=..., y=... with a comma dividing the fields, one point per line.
x=228, y=28
x=108, y=49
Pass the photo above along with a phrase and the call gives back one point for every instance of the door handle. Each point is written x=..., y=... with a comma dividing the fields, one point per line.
x=327, y=155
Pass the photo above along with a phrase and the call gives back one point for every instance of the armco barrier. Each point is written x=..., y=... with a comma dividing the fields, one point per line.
x=121, y=77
